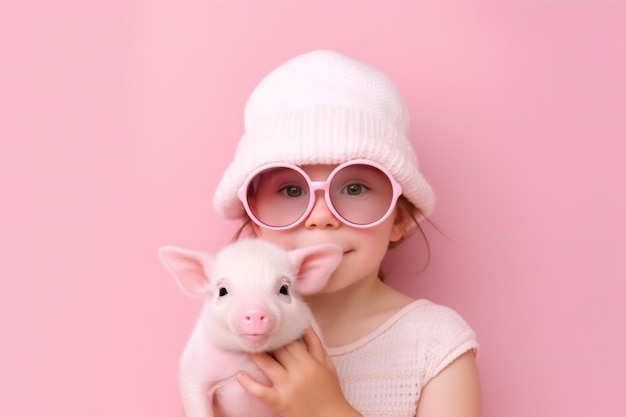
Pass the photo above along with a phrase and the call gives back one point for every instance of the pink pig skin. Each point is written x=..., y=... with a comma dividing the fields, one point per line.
x=253, y=303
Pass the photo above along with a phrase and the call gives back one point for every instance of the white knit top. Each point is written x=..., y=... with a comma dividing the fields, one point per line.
x=383, y=373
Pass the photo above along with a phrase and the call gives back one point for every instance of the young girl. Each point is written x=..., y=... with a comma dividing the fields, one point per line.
x=325, y=158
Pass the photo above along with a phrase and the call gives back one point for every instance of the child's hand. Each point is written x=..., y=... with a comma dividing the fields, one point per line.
x=304, y=381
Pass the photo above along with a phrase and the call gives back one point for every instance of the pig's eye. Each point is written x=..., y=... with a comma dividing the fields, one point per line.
x=284, y=289
x=223, y=291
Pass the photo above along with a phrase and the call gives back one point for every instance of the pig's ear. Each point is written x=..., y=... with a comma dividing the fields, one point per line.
x=315, y=264
x=188, y=267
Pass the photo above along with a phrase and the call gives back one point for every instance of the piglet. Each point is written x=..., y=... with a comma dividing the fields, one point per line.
x=253, y=303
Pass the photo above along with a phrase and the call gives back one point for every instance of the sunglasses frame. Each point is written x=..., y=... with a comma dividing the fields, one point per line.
x=314, y=186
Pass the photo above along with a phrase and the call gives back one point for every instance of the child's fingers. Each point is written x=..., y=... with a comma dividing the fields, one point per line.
x=270, y=366
x=315, y=346
x=255, y=388
x=313, y=341
x=300, y=350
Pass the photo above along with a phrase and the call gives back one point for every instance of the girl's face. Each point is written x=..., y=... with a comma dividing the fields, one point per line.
x=364, y=248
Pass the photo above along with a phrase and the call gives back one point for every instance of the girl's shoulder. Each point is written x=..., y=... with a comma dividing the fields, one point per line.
x=426, y=317
x=430, y=329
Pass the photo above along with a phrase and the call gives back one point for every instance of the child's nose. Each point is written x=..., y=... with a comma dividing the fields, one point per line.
x=321, y=216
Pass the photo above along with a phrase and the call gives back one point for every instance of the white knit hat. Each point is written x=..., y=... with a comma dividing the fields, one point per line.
x=324, y=108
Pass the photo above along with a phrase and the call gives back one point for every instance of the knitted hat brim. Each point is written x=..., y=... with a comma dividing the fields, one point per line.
x=323, y=135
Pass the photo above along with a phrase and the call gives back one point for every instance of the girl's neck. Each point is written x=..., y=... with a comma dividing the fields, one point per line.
x=349, y=314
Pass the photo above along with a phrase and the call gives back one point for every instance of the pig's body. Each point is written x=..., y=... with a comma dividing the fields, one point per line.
x=253, y=304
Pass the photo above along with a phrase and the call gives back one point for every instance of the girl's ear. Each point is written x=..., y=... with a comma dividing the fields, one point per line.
x=404, y=223
x=397, y=232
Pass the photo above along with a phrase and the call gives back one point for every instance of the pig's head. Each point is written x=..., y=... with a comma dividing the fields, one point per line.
x=253, y=289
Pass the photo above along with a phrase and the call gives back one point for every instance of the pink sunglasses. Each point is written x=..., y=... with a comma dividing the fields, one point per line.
x=360, y=193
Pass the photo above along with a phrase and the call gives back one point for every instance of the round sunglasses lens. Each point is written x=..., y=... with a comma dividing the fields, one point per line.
x=278, y=197
x=361, y=194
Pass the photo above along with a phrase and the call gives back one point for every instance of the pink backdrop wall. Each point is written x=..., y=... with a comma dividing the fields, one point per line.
x=117, y=118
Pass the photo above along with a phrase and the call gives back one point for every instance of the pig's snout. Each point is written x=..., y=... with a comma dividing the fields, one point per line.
x=255, y=321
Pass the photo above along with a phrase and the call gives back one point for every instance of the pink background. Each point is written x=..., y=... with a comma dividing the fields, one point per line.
x=117, y=118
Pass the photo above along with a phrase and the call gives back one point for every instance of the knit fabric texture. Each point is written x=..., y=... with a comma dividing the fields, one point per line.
x=383, y=373
x=324, y=108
